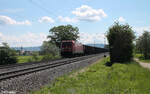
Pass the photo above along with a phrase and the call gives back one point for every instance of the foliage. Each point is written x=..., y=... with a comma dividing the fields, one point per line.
x=99, y=79
x=7, y=55
x=49, y=51
x=48, y=57
x=59, y=33
x=35, y=56
x=120, y=39
x=49, y=48
x=143, y=44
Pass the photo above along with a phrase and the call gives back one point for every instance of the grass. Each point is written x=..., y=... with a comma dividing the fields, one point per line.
x=24, y=59
x=100, y=79
x=141, y=58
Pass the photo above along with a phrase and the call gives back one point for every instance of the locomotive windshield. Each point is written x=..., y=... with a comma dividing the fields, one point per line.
x=66, y=44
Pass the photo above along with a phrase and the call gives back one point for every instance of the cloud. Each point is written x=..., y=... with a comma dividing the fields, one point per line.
x=87, y=13
x=25, y=40
x=87, y=38
x=67, y=19
x=139, y=30
x=0, y=34
x=5, y=20
x=46, y=19
x=121, y=19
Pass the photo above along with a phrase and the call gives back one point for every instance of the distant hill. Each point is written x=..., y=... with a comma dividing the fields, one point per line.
x=38, y=47
x=28, y=48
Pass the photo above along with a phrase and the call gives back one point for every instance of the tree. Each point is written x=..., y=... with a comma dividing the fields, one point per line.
x=143, y=44
x=120, y=39
x=49, y=50
x=7, y=55
x=59, y=33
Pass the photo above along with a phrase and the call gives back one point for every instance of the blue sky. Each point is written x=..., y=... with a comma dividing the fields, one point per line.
x=27, y=22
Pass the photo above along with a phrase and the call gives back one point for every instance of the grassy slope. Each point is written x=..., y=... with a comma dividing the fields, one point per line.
x=140, y=57
x=100, y=79
x=24, y=59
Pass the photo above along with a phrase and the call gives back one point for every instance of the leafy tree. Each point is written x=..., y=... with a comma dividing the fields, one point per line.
x=59, y=33
x=138, y=47
x=120, y=38
x=143, y=44
x=7, y=55
x=49, y=48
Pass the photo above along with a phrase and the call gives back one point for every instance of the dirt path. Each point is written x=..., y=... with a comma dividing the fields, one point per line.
x=145, y=65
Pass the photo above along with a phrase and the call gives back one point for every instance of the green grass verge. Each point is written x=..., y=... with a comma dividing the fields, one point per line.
x=100, y=79
x=141, y=58
x=25, y=59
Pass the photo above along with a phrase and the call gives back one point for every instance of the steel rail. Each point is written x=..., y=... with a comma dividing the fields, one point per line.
x=20, y=72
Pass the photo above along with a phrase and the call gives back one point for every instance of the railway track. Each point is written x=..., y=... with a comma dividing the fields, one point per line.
x=24, y=64
x=39, y=67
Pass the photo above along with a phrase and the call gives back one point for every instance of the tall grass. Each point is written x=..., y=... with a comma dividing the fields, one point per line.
x=25, y=59
x=100, y=79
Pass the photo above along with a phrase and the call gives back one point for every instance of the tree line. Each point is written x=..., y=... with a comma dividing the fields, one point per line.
x=121, y=43
x=49, y=50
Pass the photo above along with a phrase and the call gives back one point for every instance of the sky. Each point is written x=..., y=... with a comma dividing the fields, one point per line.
x=27, y=22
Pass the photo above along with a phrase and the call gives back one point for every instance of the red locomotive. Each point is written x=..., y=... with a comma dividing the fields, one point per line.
x=71, y=48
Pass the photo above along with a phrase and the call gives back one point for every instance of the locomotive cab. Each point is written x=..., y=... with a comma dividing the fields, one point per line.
x=67, y=48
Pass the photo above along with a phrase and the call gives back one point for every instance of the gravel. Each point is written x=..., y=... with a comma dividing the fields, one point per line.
x=33, y=81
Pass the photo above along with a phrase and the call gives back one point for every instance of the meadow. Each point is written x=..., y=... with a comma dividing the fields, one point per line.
x=98, y=78
x=25, y=59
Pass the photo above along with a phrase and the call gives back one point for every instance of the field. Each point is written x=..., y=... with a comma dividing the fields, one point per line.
x=24, y=59
x=140, y=57
x=101, y=79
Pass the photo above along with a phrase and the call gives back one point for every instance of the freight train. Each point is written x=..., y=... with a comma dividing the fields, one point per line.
x=71, y=48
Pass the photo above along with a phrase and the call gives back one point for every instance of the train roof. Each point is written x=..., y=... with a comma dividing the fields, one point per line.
x=93, y=46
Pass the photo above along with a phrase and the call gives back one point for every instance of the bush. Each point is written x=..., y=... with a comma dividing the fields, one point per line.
x=50, y=51
x=48, y=57
x=35, y=56
x=120, y=38
x=7, y=55
x=49, y=48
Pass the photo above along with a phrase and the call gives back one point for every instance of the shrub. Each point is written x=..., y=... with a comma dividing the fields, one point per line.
x=120, y=39
x=7, y=55
x=49, y=48
x=48, y=57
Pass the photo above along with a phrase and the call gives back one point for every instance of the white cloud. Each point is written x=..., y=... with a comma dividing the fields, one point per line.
x=67, y=19
x=86, y=13
x=87, y=38
x=46, y=19
x=139, y=30
x=9, y=21
x=25, y=40
x=0, y=34
x=121, y=19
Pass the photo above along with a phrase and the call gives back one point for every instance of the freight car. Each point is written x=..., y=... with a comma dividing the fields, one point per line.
x=71, y=48
x=93, y=50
